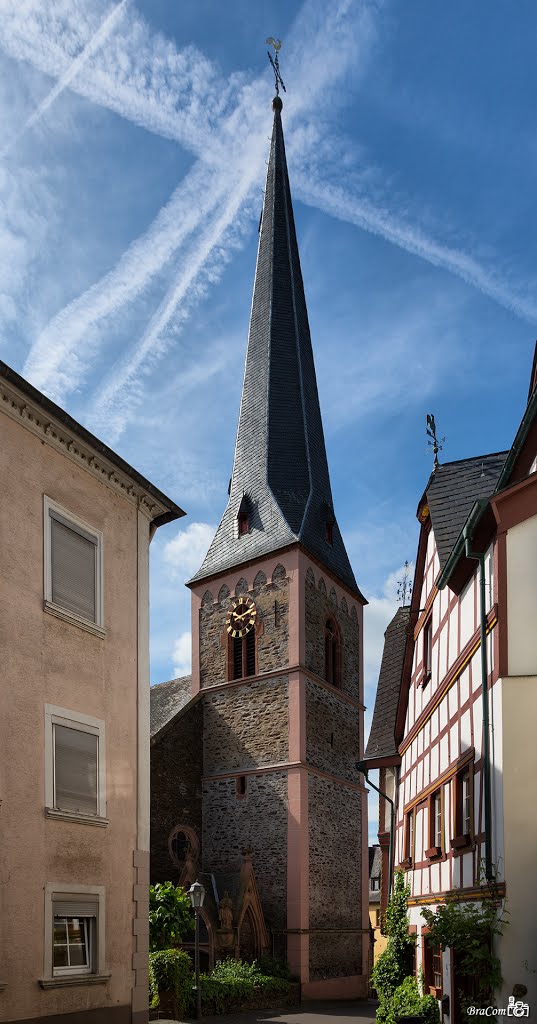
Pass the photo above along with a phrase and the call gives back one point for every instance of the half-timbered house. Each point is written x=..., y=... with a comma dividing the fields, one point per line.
x=454, y=726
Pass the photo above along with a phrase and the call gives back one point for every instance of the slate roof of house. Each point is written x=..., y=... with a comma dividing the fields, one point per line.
x=453, y=489
x=280, y=462
x=167, y=699
x=375, y=867
x=381, y=742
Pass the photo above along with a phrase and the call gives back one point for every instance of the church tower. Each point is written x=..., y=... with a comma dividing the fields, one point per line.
x=277, y=646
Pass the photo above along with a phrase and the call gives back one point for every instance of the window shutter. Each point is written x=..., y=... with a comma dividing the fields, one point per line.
x=75, y=770
x=71, y=906
x=73, y=557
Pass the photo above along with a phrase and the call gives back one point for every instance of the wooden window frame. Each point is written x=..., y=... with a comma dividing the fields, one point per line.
x=436, y=851
x=51, y=510
x=429, y=953
x=83, y=723
x=409, y=838
x=332, y=652
x=463, y=840
x=243, y=523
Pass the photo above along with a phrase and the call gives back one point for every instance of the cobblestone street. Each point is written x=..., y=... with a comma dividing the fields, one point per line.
x=342, y=1012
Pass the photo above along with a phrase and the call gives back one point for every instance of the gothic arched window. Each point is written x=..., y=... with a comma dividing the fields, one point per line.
x=331, y=653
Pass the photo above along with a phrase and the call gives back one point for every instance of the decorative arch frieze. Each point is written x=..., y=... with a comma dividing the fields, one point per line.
x=333, y=596
x=310, y=576
x=344, y=606
x=223, y=593
x=322, y=587
x=241, y=587
x=260, y=580
x=279, y=575
x=207, y=600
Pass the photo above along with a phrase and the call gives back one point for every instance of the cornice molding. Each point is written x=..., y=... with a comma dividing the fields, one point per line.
x=49, y=430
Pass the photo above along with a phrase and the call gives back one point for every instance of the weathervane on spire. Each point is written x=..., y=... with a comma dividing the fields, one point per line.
x=404, y=586
x=275, y=63
x=435, y=443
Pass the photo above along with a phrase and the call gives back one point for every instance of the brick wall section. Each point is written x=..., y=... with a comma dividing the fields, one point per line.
x=258, y=821
x=319, y=606
x=335, y=857
x=272, y=629
x=176, y=769
x=332, y=732
x=246, y=726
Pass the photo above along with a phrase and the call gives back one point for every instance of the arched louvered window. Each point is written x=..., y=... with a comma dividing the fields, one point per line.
x=242, y=656
x=331, y=653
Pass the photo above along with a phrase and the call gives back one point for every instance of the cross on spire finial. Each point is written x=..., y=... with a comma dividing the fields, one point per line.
x=404, y=586
x=275, y=63
x=435, y=443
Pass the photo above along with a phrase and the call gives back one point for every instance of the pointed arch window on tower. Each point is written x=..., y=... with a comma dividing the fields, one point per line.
x=331, y=653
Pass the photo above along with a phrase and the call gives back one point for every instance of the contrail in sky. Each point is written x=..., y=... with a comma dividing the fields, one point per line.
x=97, y=39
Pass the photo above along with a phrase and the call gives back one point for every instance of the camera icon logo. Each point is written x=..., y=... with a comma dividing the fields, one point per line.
x=518, y=1008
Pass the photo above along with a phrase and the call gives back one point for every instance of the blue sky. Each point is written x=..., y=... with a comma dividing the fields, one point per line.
x=132, y=168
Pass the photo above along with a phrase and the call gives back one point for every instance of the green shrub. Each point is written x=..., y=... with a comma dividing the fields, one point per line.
x=170, y=970
x=170, y=915
x=233, y=984
x=274, y=967
x=407, y=999
x=395, y=963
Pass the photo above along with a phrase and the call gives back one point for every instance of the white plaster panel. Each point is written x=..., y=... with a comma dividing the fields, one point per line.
x=426, y=770
x=434, y=723
x=476, y=671
x=419, y=778
x=444, y=876
x=466, y=606
x=522, y=598
x=478, y=728
x=436, y=564
x=467, y=870
x=412, y=784
x=446, y=971
x=435, y=878
x=453, y=636
x=496, y=755
x=436, y=613
x=431, y=547
x=420, y=743
x=425, y=887
x=443, y=714
x=442, y=662
x=417, y=883
x=453, y=702
x=464, y=683
x=434, y=762
x=426, y=734
x=466, y=732
x=444, y=758
x=453, y=743
x=440, y=601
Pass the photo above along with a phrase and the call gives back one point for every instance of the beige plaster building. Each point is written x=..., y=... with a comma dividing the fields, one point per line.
x=75, y=524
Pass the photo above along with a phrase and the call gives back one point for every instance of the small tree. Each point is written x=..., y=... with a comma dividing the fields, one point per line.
x=170, y=915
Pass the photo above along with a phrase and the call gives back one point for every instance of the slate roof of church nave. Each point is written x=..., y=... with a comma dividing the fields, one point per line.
x=381, y=742
x=167, y=699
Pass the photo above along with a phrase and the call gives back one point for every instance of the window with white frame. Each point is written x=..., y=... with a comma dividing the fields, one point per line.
x=75, y=765
x=73, y=566
x=74, y=932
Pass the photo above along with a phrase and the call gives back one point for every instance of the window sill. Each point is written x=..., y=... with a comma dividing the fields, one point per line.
x=75, y=620
x=78, y=816
x=67, y=980
x=406, y=863
x=433, y=853
x=461, y=842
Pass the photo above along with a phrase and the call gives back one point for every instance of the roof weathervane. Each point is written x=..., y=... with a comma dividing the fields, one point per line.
x=404, y=586
x=435, y=443
x=275, y=63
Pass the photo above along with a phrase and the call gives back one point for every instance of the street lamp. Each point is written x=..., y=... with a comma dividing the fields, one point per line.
x=197, y=896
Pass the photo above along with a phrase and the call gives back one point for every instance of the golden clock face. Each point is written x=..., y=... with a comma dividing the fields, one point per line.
x=241, y=617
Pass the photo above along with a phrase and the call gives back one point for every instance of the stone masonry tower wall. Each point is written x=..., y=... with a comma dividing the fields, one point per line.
x=279, y=755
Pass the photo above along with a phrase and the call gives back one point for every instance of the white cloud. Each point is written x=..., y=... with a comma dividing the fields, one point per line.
x=182, y=656
x=184, y=553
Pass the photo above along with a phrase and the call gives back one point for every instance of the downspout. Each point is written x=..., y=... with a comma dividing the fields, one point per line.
x=480, y=557
x=362, y=767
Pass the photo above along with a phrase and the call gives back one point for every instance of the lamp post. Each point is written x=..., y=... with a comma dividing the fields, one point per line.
x=197, y=896
x=362, y=767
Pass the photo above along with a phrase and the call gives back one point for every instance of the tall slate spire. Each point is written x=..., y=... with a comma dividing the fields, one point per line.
x=280, y=471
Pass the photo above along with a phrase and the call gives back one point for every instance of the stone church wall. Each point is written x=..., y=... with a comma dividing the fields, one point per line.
x=246, y=726
x=320, y=604
x=258, y=821
x=332, y=732
x=176, y=769
x=272, y=601
x=335, y=853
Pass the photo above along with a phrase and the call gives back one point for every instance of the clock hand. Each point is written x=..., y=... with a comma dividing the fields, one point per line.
x=243, y=614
